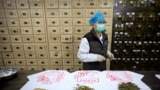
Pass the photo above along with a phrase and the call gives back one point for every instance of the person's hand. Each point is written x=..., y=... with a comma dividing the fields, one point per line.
x=100, y=58
x=111, y=56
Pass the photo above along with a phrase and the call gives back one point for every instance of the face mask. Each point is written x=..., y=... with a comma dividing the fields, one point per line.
x=100, y=27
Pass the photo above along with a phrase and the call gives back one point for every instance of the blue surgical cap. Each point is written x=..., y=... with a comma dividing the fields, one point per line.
x=97, y=17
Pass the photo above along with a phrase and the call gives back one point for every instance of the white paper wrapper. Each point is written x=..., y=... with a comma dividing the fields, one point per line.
x=93, y=79
x=117, y=77
x=49, y=80
x=158, y=76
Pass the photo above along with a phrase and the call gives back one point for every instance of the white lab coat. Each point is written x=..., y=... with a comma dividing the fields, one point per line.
x=83, y=52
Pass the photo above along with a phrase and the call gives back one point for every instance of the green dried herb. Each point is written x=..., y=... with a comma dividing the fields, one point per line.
x=128, y=86
x=84, y=88
x=39, y=89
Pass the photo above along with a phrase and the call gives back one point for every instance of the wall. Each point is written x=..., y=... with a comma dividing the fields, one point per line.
x=45, y=34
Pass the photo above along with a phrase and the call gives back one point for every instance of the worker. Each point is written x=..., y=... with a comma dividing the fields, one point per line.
x=93, y=48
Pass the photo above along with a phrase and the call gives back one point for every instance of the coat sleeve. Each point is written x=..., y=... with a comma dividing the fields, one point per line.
x=83, y=52
x=109, y=53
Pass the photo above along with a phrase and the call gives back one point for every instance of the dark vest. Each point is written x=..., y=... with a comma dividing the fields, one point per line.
x=96, y=47
x=95, y=44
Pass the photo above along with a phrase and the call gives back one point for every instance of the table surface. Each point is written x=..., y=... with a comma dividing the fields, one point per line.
x=15, y=83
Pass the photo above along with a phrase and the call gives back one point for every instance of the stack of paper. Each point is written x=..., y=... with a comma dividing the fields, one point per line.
x=63, y=80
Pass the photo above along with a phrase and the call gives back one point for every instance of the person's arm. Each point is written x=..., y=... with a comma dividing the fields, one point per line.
x=84, y=55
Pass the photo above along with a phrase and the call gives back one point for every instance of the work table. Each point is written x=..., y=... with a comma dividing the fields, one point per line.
x=20, y=79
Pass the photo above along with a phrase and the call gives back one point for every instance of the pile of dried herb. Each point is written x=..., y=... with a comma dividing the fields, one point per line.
x=128, y=86
x=84, y=88
x=39, y=89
